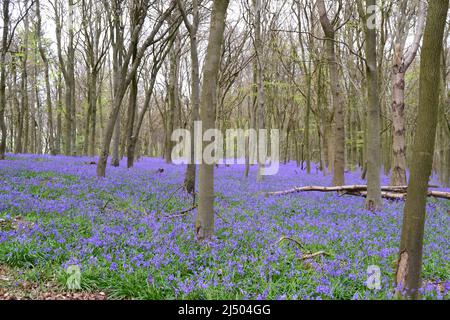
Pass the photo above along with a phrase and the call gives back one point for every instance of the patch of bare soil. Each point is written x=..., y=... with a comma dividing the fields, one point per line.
x=13, y=288
x=15, y=223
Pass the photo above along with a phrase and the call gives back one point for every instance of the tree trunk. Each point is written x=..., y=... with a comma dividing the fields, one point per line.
x=373, y=200
x=338, y=104
x=204, y=222
x=131, y=115
x=411, y=245
x=398, y=175
x=3, y=78
x=68, y=71
x=190, y=177
x=126, y=74
x=93, y=114
x=259, y=51
x=118, y=77
x=115, y=159
x=172, y=89
x=401, y=63
x=308, y=113
x=59, y=114
x=47, y=81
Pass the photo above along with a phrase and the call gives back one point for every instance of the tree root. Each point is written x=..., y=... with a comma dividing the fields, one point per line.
x=180, y=213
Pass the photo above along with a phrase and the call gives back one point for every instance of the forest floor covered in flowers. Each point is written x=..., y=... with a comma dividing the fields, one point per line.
x=120, y=231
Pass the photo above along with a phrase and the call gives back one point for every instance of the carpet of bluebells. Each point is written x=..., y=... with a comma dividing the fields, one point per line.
x=119, y=230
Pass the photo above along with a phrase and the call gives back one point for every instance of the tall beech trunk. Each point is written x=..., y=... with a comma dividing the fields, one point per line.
x=3, y=78
x=59, y=114
x=115, y=158
x=398, y=175
x=132, y=103
x=189, y=179
x=308, y=114
x=204, y=221
x=23, y=98
x=48, y=97
x=70, y=85
x=251, y=124
x=92, y=121
x=401, y=63
x=68, y=71
x=118, y=47
x=173, y=116
x=131, y=115
x=373, y=200
x=260, y=97
x=338, y=104
x=411, y=245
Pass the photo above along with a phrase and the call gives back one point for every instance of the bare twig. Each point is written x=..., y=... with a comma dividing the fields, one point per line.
x=180, y=213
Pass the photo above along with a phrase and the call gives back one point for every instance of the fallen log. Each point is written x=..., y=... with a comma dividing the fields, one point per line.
x=388, y=192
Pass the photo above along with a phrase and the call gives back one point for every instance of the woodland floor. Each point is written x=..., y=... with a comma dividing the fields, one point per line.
x=54, y=212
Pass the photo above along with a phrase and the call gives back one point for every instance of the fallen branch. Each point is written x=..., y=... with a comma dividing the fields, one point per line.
x=313, y=255
x=306, y=256
x=388, y=192
x=105, y=205
x=283, y=238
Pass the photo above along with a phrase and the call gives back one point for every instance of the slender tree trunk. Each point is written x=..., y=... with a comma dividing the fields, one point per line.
x=308, y=115
x=68, y=71
x=88, y=117
x=115, y=158
x=131, y=115
x=131, y=147
x=259, y=51
x=92, y=121
x=401, y=64
x=338, y=104
x=118, y=77
x=398, y=175
x=38, y=113
x=93, y=117
x=3, y=78
x=23, y=104
x=47, y=81
x=172, y=98
x=126, y=72
x=247, y=138
x=190, y=177
x=411, y=245
x=204, y=222
x=373, y=199
x=59, y=114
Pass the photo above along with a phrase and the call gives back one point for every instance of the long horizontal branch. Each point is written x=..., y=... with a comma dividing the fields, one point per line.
x=388, y=192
